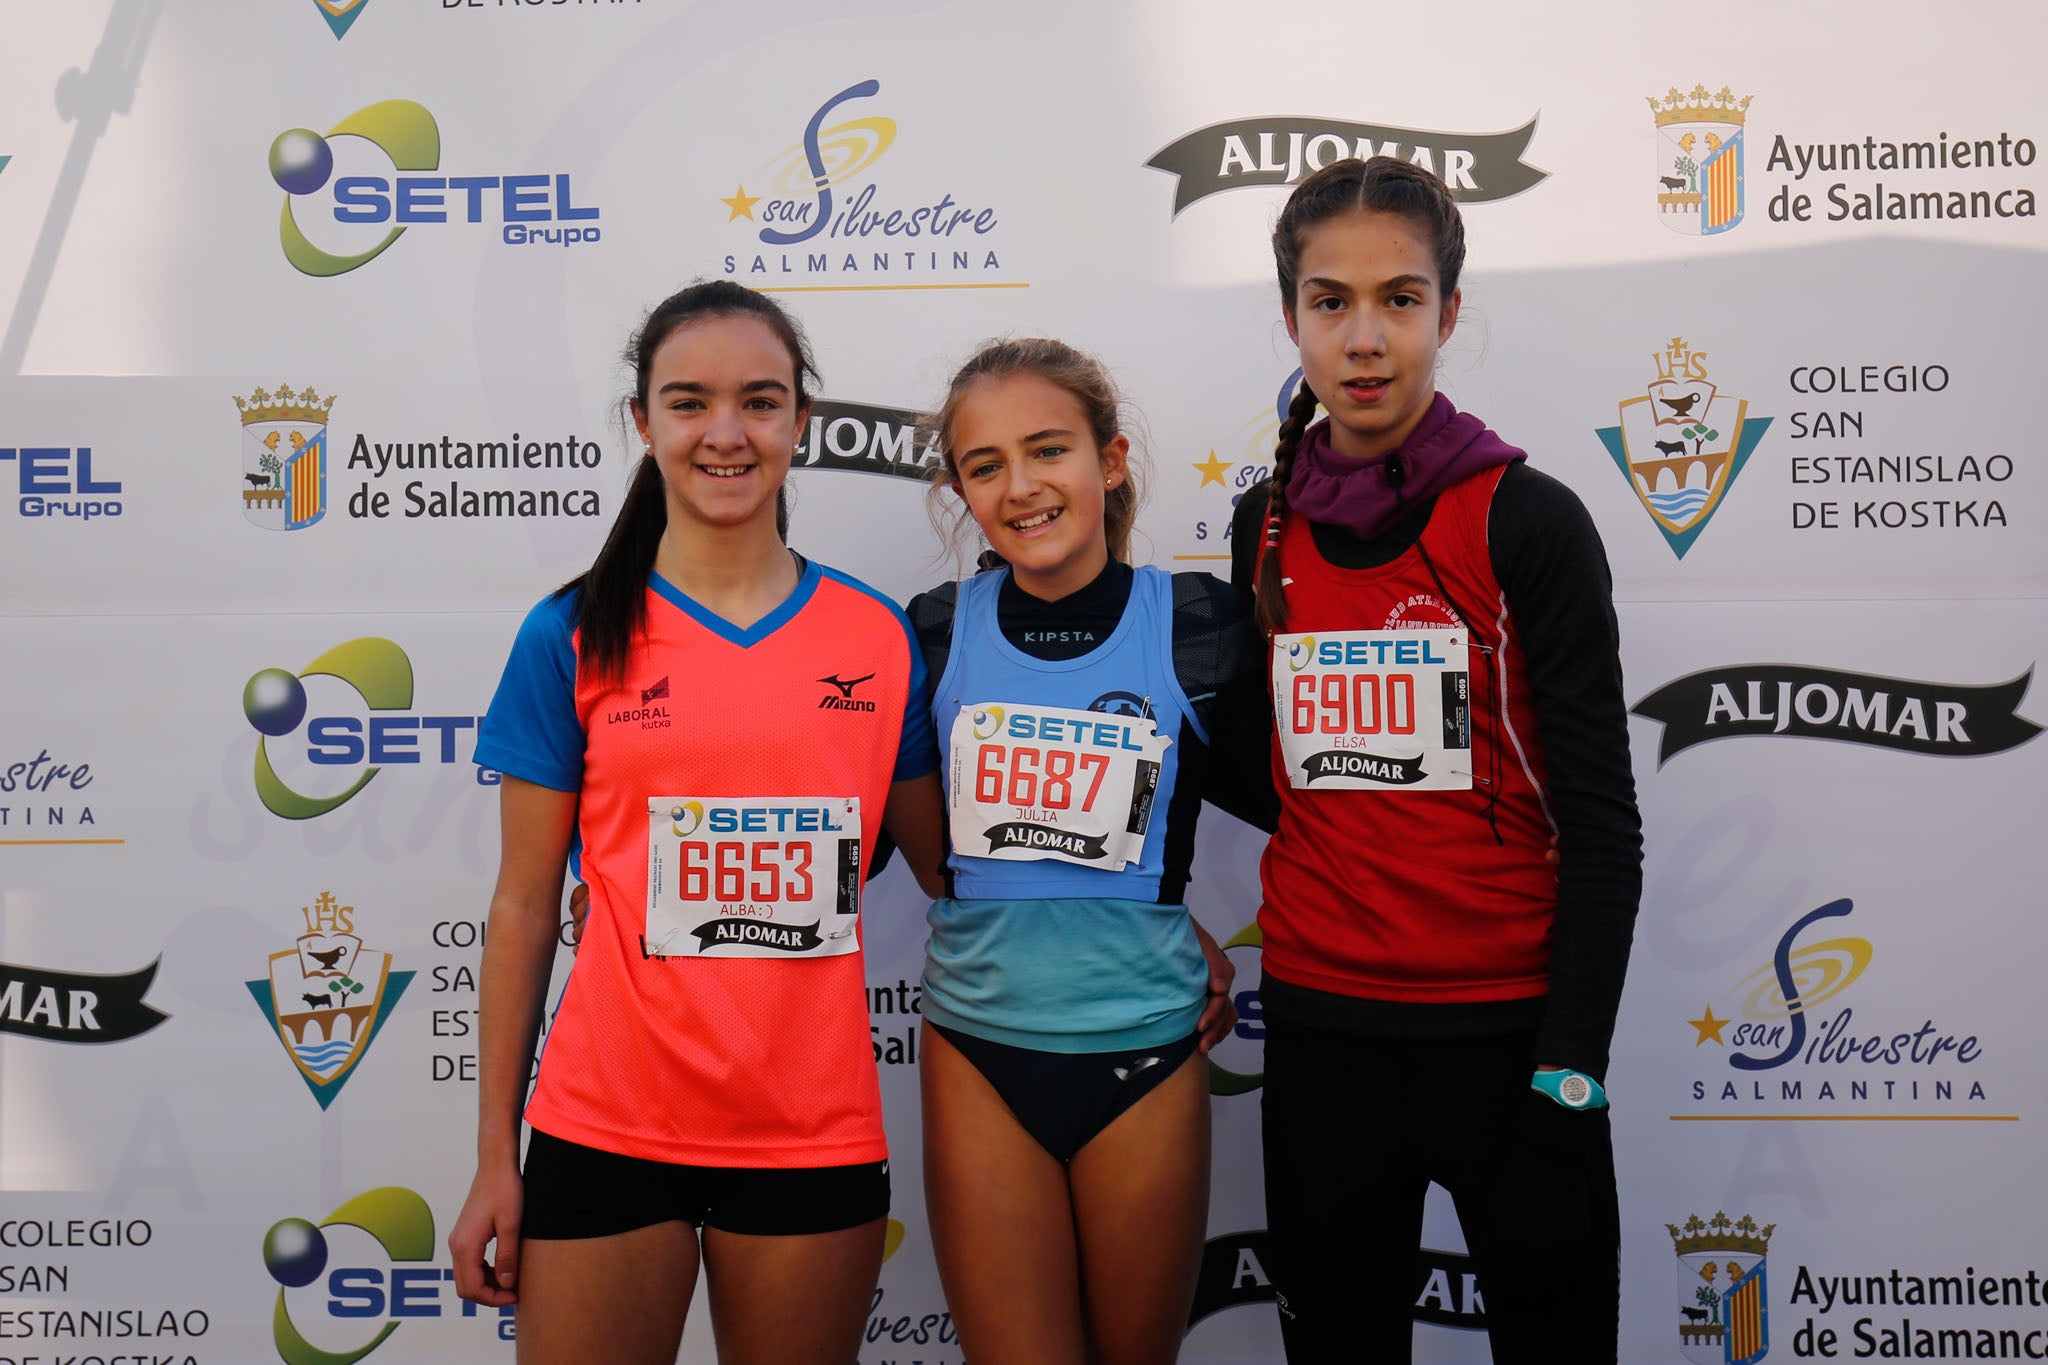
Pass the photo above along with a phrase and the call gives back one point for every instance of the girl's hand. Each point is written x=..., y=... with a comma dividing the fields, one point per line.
x=491, y=1214
x=1219, y=1014
x=579, y=906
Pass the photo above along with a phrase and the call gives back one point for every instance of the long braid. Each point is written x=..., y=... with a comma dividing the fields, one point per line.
x=1271, y=601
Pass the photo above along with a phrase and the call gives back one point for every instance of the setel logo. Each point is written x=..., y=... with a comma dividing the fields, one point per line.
x=364, y=1265
x=57, y=481
x=303, y=164
x=379, y=675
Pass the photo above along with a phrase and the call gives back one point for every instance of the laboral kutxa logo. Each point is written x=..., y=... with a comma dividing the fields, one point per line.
x=284, y=457
x=327, y=996
x=1681, y=443
x=364, y=724
x=1834, y=1062
x=1699, y=159
x=1950, y=720
x=370, y=1262
x=822, y=213
x=396, y=145
x=1478, y=167
x=1724, y=1310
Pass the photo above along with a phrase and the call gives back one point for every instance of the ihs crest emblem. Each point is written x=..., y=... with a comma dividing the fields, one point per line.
x=1681, y=443
x=327, y=996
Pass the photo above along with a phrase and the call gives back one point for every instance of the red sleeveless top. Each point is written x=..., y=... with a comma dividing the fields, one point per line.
x=1419, y=896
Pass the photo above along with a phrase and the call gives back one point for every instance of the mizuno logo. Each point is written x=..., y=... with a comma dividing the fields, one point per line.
x=845, y=686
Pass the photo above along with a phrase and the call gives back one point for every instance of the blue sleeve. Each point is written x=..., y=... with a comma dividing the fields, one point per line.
x=532, y=731
x=917, y=753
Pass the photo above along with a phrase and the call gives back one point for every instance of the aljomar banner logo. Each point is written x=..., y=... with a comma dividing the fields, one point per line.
x=1949, y=719
x=1478, y=167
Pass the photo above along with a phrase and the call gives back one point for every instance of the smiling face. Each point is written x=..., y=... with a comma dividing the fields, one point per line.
x=721, y=417
x=1369, y=315
x=1030, y=471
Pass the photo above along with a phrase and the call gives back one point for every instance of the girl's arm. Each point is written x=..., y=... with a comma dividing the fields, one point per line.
x=519, y=953
x=1550, y=562
x=915, y=819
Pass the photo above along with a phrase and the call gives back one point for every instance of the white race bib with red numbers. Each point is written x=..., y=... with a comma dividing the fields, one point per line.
x=1032, y=782
x=1374, y=710
x=755, y=876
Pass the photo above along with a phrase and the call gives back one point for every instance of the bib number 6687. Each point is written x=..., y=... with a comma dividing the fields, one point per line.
x=1023, y=775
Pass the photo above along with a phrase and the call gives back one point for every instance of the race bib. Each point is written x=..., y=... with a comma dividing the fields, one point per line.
x=1374, y=710
x=1033, y=782
x=755, y=876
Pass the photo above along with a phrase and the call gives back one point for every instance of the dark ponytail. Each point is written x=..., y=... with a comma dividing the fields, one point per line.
x=1380, y=185
x=613, y=609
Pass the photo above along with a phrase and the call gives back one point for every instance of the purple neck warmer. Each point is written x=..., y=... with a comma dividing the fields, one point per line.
x=1366, y=497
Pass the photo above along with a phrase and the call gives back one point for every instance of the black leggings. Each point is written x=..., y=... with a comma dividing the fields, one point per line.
x=1357, y=1128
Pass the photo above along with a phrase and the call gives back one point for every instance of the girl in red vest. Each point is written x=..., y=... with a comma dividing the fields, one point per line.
x=1439, y=996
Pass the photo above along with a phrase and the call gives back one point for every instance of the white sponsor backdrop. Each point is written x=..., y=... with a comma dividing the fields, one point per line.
x=1886, y=522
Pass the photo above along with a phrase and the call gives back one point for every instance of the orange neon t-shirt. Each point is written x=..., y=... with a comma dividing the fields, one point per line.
x=712, y=1061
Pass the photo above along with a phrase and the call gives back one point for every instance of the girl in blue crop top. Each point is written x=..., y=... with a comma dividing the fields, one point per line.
x=1069, y=992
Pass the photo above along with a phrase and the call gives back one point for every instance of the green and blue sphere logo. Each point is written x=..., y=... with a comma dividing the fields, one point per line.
x=296, y=1252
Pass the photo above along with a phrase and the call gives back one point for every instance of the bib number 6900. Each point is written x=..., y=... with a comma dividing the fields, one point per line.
x=1354, y=703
